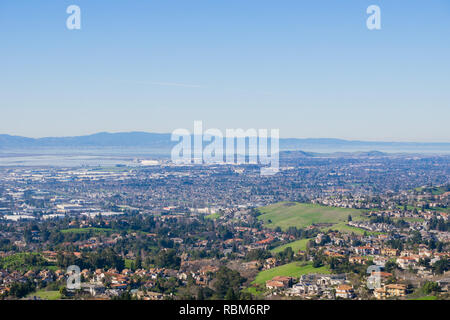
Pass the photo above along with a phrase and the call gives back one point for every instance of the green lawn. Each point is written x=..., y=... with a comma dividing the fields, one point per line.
x=343, y=227
x=255, y=291
x=300, y=215
x=436, y=191
x=24, y=261
x=128, y=263
x=46, y=295
x=407, y=219
x=295, y=245
x=293, y=269
x=213, y=216
x=86, y=230
x=426, y=298
x=438, y=209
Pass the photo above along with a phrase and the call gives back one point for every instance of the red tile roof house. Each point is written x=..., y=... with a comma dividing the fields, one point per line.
x=285, y=280
x=366, y=250
x=359, y=260
x=344, y=291
x=279, y=282
x=406, y=262
x=122, y=286
x=270, y=284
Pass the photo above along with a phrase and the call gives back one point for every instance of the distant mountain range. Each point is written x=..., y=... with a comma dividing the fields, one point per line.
x=161, y=141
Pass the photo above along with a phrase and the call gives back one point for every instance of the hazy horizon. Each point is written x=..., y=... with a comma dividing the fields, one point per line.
x=281, y=137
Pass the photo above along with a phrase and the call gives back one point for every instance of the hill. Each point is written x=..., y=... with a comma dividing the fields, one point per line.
x=163, y=141
x=294, y=245
x=301, y=215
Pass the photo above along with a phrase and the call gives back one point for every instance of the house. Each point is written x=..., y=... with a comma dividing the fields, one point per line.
x=383, y=276
x=93, y=289
x=319, y=238
x=396, y=290
x=380, y=293
x=406, y=262
x=279, y=282
x=366, y=250
x=270, y=263
x=182, y=276
x=344, y=291
x=443, y=283
x=380, y=261
x=126, y=272
x=357, y=260
x=305, y=288
x=208, y=269
x=423, y=252
x=251, y=265
x=333, y=254
x=201, y=280
x=389, y=252
x=119, y=286
x=406, y=253
x=330, y=280
x=4, y=291
x=287, y=281
x=271, y=285
x=149, y=295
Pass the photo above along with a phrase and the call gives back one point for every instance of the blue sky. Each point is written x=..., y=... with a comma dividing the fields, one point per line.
x=309, y=68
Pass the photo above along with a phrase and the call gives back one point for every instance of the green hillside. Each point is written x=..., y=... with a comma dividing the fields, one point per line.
x=293, y=269
x=295, y=246
x=300, y=215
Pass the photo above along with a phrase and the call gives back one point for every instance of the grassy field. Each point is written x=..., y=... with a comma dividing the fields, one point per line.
x=300, y=215
x=295, y=245
x=293, y=269
x=426, y=298
x=46, y=295
x=436, y=191
x=343, y=227
x=437, y=209
x=213, y=216
x=257, y=291
x=407, y=219
x=24, y=261
x=86, y=230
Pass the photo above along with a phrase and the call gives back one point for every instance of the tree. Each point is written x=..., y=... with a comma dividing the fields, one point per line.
x=230, y=294
x=390, y=266
x=258, y=254
x=441, y=266
x=138, y=262
x=168, y=259
x=317, y=262
x=430, y=287
x=124, y=296
x=20, y=290
x=287, y=255
x=226, y=279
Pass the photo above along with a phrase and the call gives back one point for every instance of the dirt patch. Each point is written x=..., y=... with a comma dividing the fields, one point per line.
x=289, y=204
x=323, y=225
